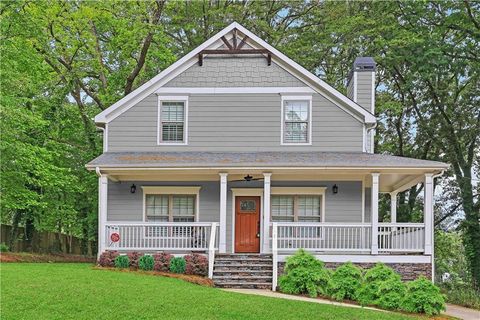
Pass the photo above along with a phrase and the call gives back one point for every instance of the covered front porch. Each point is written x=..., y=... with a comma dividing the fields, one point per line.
x=337, y=211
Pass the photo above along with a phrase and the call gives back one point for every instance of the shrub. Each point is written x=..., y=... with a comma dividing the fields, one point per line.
x=177, y=265
x=146, y=263
x=162, y=261
x=122, y=262
x=4, y=247
x=423, y=296
x=196, y=264
x=372, y=280
x=304, y=274
x=107, y=258
x=391, y=293
x=134, y=257
x=346, y=282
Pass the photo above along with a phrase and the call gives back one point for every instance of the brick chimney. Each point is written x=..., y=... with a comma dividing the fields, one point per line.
x=361, y=83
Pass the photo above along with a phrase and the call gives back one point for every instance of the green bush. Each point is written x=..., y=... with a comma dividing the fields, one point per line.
x=146, y=263
x=4, y=247
x=177, y=265
x=390, y=293
x=346, y=282
x=305, y=274
x=372, y=280
x=122, y=262
x=423, y=296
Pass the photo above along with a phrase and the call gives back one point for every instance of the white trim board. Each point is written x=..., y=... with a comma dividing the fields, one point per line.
x=226, y=90
x=342, y=258
x=191, y=58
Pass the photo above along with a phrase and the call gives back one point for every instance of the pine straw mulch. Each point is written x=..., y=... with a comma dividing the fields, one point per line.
x=203, y=281
x=10, y=257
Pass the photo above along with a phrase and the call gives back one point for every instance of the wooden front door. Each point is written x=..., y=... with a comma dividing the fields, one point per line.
x=247, y=224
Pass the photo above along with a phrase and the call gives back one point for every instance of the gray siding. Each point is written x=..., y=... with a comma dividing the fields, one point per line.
x=235, y=122
x=364, y=90
x=345, y=206
x=235, y=72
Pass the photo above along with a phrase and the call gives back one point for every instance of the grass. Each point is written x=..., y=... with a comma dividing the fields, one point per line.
x=77, y=291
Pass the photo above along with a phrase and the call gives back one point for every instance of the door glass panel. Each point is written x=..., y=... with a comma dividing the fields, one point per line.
x=247, y=205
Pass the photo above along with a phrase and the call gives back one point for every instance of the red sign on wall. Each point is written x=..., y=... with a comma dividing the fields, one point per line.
x=115, y=237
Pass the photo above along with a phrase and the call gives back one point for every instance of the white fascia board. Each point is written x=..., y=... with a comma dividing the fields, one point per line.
x=226, y=90
x=152, y=85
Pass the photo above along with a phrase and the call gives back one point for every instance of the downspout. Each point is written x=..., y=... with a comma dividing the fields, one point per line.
x=104, y=134
x=433, y=230
x=372, y=140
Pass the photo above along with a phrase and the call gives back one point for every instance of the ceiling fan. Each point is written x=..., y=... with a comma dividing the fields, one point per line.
x=248, y=178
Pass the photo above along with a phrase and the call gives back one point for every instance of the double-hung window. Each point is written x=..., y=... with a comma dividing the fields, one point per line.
x=170, y=208
x=296, y=208
x=297, y=204
x=296, y=120
x=170, y=204
x=172, y=120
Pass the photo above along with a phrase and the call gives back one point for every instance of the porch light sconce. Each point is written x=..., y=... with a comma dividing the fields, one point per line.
x=133, y=188
x=335, y=189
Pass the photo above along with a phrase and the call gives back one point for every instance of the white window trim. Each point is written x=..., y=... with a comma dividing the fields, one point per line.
x=185, y=120
x=301, y=191
x=310, y=116
x=168, y=191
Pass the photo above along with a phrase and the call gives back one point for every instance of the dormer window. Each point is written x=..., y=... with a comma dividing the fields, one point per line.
x=172, y=120
x=296, y=120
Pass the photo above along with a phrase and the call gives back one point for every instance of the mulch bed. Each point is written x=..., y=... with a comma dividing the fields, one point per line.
x=7, y=257
x=186, y=277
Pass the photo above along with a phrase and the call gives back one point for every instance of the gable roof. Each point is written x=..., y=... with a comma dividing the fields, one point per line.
x=188, y=60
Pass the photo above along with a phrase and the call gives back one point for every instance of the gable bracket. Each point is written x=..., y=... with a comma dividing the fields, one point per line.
x=235, y=48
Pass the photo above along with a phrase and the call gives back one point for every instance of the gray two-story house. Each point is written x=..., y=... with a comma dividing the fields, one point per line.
x=238, y=152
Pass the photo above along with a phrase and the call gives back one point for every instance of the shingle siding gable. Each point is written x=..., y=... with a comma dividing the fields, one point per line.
x=235, y=72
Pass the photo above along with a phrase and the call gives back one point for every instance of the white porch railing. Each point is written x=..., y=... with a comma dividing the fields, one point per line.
x=401, y=237
x=166, y=236
x=292, y=236
x=176, y=236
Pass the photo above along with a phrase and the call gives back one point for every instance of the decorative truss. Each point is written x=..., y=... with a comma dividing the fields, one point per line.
x=235, y=48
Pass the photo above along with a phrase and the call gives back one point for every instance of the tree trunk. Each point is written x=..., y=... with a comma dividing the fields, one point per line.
x=29, y=229
x=12, y=243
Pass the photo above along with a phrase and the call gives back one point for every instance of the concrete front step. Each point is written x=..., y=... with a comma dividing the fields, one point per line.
x=247, y=271
x=243, y=278
x=243, y=272
x=242, y=259
x=236, y=285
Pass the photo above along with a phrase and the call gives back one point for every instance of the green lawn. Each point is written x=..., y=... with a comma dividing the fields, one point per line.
x=76, y=291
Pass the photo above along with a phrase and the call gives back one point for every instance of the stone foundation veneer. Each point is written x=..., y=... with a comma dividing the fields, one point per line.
x=408, y=271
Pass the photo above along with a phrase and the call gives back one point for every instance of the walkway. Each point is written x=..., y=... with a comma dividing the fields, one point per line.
x=452, y=310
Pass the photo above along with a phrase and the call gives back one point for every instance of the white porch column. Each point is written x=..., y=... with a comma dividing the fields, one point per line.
x=266, y=212
x=428, y=212
x=393, y=207
x=375, y=179
x=222, y=245
x=102, y=211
